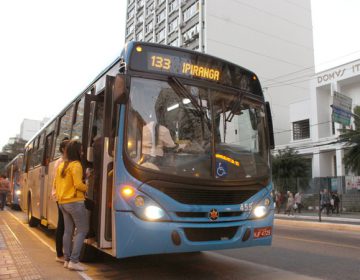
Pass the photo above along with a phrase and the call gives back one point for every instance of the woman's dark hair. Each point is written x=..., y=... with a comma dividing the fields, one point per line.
x=63, y=145
x=73, y=153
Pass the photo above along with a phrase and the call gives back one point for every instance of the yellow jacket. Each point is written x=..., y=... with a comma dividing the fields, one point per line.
x=70, y=188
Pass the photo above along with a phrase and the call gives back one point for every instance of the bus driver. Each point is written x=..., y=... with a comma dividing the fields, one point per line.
x=156, y=137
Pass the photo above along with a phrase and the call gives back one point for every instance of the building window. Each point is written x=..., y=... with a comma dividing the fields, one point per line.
x=173, y=25
x=301, y=130
x=174, y=43
x=129, y=30
x=191, y=34
x=191, y=11
x=140, y=19
x=148, y=27
x=150, y=9
x=160, y=35
x=131, y=13
x=160, y=17
x=160, y=2
x=173, y=6
x=140, y=3
x=140, y=36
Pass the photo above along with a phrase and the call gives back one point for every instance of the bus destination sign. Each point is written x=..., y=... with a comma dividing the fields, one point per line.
x=175, y=62
x=181, y=66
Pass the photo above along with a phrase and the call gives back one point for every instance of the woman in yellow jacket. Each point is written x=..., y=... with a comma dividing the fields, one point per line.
x=70, y=192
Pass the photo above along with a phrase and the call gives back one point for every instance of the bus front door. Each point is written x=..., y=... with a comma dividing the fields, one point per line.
x=94, y=143
x=99, y=137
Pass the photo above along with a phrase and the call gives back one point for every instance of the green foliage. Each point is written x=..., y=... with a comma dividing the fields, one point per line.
x=352, y=139
x=288, y=169
x=12, y=150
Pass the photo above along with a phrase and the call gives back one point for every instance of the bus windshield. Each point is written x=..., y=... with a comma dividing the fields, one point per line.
x=192, y=131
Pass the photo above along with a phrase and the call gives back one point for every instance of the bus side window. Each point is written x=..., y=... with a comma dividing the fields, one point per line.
x=79, y=119
x=25, y=164
x=39, y=153
x=48, y=148
x=65, y=123
x=32, y=157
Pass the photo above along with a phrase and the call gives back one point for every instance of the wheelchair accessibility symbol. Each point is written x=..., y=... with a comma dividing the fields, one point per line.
x=221, y=169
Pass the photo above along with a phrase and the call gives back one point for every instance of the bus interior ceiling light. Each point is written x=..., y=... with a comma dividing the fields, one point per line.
x=154, y=212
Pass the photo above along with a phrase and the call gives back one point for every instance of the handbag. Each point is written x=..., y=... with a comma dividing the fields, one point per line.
x=89, y=204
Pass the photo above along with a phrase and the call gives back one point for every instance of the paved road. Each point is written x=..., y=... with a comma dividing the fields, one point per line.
x=297, y=253
x=317, y=251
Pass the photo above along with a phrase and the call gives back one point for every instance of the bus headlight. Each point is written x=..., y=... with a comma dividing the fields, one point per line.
x=154, y=212
x=17, y=192
x=260, y=211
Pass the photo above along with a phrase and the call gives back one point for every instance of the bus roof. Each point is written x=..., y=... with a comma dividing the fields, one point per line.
x=184, y=63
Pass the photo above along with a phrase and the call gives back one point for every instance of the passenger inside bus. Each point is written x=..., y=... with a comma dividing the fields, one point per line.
x=155, y=137
x=93, y=176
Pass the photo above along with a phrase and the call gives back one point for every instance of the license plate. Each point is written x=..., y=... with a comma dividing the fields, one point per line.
x=262, y=232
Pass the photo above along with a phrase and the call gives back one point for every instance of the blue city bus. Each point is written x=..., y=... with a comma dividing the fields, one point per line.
x=13, y=171
x=176, y=152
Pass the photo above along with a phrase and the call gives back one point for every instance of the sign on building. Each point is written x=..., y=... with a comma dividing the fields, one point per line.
x=352, y=182
x=341, y=106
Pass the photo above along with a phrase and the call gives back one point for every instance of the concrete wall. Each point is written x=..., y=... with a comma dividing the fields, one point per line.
x=273, y=38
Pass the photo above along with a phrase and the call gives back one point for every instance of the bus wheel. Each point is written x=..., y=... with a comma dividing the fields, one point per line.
x=33, y=222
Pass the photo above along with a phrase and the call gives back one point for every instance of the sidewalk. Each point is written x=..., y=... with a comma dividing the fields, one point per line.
x=24, y=256
x=352, y=218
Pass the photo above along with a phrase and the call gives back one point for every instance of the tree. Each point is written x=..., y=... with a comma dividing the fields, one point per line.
x=13, y=149
x=287, y=167
x=352, y=138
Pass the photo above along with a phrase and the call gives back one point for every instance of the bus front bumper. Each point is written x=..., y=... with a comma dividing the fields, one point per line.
x=138, y=237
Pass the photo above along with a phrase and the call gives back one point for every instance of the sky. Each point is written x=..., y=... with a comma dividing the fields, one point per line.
x=51, y=50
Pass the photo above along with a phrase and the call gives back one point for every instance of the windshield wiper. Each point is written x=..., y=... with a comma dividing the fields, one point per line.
x=179, y=88
x=234, y=108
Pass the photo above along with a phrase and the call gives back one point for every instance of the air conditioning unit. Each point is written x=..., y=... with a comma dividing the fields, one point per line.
x=186, y=38
x=194, y=34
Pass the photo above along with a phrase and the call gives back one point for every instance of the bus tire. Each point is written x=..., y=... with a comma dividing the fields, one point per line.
x=33, y=222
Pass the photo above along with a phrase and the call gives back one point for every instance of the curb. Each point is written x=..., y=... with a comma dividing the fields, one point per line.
x=322, y=225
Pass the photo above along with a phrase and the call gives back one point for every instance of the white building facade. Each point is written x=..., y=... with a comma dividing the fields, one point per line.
x=314, y=134
x=273, y=38
x=29, y=127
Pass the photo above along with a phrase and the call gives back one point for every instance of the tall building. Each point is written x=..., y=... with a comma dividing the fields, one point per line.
x=273, y=38
x=30, y=127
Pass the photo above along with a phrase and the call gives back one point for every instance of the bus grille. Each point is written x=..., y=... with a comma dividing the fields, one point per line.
x=205, y=214
x=209, y=197
x=210, y=234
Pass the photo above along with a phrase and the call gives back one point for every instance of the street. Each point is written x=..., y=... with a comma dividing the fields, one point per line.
x=297, y=252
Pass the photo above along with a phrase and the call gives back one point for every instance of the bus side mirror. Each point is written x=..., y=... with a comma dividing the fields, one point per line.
x=119, y=89
x=270, y=126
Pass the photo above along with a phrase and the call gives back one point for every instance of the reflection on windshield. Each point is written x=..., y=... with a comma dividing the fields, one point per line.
x=171, y=127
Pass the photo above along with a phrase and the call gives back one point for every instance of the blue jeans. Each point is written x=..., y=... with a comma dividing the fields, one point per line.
x=75, y=215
